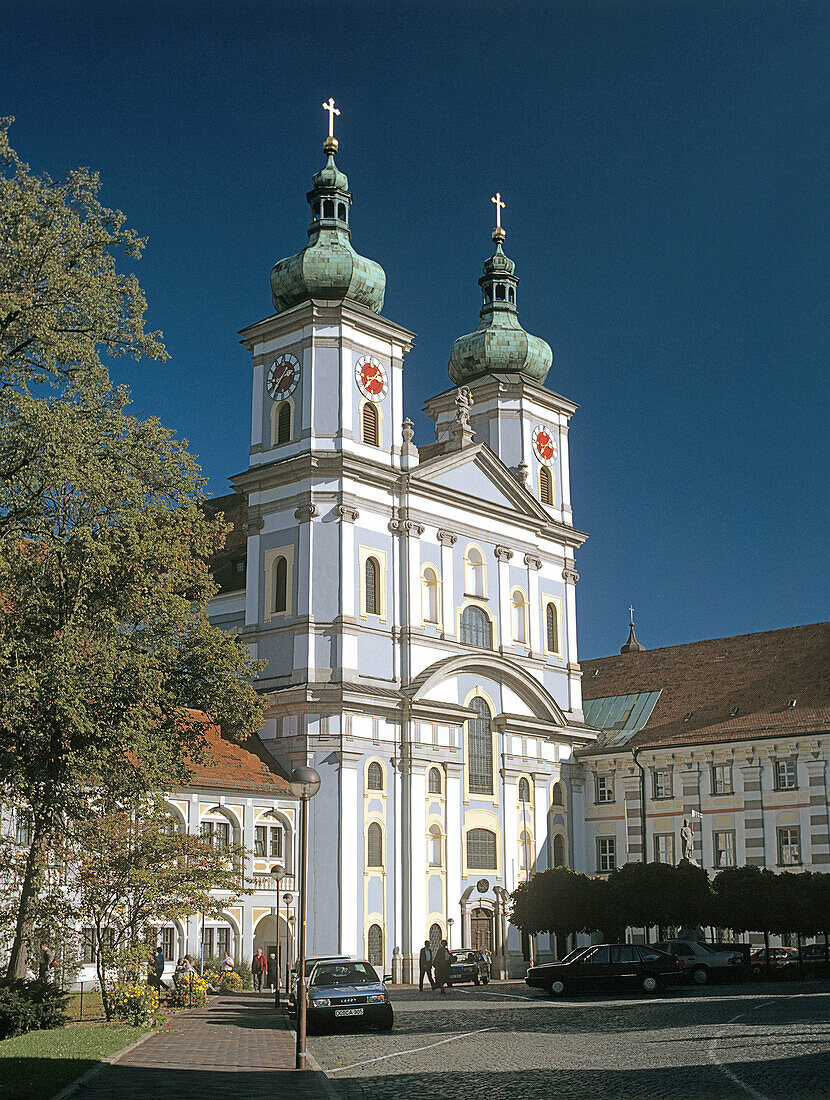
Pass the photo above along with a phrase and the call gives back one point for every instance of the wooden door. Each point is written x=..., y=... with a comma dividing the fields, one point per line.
x=481, y=930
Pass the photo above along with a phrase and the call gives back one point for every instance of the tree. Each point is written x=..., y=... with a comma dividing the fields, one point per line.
x=135, y=870
x=559, y=900
x=106, y=650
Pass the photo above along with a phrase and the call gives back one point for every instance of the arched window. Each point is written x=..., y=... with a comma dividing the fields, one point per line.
x=374, y=777
x=545, y=485
x=374, y=944
x=435, y=846
x=374, y=845
x=435, y=785
x=558, y=795
x=476, y=628
x=341, y=211
x=476, y=577
x=435, y=936
x=519, y=612
x=284, y=423
x=525, y=851
x=372, y=579
x=551, y=628
x=524, y=790
x=370, y=425
x=429, y=595
x=479, y=749
x=481, y=850
x=558, y=850
x=328, y=208
x=511, y=296
x=280, y=585
x=500, y=293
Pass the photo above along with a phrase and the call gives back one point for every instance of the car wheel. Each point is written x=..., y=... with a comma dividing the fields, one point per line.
x=650, y=984
x=700, y=975
x=485, y=980
x=476, y=980
x=387, y=1021
x=557, y=988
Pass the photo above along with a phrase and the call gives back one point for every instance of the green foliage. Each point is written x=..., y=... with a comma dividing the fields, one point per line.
x=558, y=900
x=30, y=1006
x=647, y=894
x=243, y=969
x=190, y=991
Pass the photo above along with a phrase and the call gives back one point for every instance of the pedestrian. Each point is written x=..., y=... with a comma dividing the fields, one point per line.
x=273, y=970
x=443, y=959
x=47, y=962
x=158, y=967
x=425, y=966
x=259, y=965
x=226, y=966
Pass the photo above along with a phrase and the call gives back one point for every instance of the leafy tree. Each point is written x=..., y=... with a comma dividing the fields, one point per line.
x=559, y=900
x=134, y=871
x=105, y=647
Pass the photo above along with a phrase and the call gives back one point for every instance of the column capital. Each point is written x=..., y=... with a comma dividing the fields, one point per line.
x=569, y=576
x=532, y=561
x=503, y=553
x=447, y=538
x=346, y=513
x=306, y=512
x=252, y=524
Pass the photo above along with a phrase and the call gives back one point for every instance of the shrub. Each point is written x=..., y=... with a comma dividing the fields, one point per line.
x=231, y=982
x=243, y=969
x=191, y=991
x=30, y=1006
x=138, y=1005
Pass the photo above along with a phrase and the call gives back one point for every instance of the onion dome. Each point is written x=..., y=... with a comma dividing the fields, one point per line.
x=632, y=645
x=499, y=345
x=328, y=267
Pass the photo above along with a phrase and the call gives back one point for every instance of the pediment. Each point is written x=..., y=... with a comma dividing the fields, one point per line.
x=477, y=473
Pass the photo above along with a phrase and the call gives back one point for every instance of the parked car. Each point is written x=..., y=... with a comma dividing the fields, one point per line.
x=608, y=966
x=309, y=966
x=469, y=966
x=347, y=991
x=815, y=953
x=781, y=959
x=700, y=960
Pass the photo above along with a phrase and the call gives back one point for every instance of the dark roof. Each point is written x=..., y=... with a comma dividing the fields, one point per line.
x=247, y=766
x=701, y=684
x=224, y=565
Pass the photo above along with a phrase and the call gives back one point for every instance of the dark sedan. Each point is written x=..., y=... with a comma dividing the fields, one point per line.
x=469, y=966
x=347, y=992
x=608, y=966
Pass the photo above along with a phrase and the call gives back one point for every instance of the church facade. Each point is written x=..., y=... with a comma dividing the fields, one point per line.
x=415, y=606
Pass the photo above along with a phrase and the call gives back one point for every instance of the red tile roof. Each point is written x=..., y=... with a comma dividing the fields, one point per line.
x=241, y=767
x=757, y=673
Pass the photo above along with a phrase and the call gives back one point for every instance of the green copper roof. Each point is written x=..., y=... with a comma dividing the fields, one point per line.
x=619, y=717
x=499, y=345
x=328, y=267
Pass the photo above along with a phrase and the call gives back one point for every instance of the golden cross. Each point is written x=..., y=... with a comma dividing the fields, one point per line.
x=631, y=609
x=499, y=207
x=332, y=110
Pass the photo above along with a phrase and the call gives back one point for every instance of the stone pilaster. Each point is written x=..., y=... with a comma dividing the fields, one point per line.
x=690, y=781
x=819, y=836
x=630, y=785
x=753, y=815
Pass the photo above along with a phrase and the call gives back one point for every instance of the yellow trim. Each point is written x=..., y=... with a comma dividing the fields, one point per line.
x=376, y=406
x=439, y=795
x=526, y=616
x=363, y=553
x=438, y=594
x=480, y=819
x=557, y=607
x=542, y=471
x=559, y=831
x=271, y=556
x=480, y=693
x=468, y=590
x=442, y=840
x=493, y=624
x=555, y=807
x=369, y=794
x=378, y=919
x=374, y=818
x=529, y=778
x=275, y=421
x=522, y=872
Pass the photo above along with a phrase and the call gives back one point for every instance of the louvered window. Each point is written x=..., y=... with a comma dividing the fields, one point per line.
x=284, y=423
x=280, y=585
x=551, y=628
x=374, y=777
x=370, y=425
x=545, y=486
x=480, y=749
x=372, y=571
x=374, y=846
x=476, y=628
x=481, y=850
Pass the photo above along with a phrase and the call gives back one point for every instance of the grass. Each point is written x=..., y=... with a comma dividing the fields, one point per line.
x=93, y=1006
x=35, y=1066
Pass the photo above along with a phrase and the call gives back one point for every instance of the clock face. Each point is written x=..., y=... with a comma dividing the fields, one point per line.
x=371, y=378
x=545, y=446
x=283, y=376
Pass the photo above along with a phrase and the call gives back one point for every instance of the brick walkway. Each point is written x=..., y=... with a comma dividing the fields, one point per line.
x=238, y=1047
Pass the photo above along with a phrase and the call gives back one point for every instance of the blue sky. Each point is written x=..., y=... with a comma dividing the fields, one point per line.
x=665, y=170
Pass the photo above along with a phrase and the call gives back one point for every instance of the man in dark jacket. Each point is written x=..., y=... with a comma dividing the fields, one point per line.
x=425, y=966
x=443, y=960
x=158, y=967
x=47, y=958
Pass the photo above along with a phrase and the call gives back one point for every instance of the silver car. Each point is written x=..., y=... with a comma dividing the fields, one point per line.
x=699, y=959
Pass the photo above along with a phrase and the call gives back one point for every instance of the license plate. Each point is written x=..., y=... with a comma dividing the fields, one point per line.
x=348, y=1012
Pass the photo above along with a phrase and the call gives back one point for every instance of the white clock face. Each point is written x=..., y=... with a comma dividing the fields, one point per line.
x=544, y=445
x=283, y=376
x=371, y=378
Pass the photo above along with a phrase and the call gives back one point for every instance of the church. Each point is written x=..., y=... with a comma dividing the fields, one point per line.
x=416, y=607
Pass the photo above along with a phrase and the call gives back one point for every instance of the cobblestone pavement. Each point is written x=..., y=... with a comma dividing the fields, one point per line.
x=237, y=1048
x=768, y=1042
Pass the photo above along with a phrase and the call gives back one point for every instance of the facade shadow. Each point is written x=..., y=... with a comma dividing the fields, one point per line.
x=126, y=1082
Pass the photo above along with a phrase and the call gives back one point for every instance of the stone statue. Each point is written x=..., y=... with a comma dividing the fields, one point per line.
x=463, y=404
x=687, y=837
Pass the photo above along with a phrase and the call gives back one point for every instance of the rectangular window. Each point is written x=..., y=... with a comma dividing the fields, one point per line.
x=606, y=854
x=259, y=840
x=207, y=941
x=223, y=941
x=725, y=849
x=662, y=783
x=785, y=779
x=789, y=847
x=721, y=779
x=168, y=943
x=664, y=848
x=89, y=945
x=605, y=788
x=22, y=828
x=275, y=846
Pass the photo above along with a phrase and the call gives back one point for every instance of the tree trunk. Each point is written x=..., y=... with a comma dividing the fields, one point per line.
x=24, y=928
x=767, y=960
x=101, y=970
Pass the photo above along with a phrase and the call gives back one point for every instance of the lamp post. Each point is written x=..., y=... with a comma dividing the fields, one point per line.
x=304, y=783
x=278, y=873
x=289, y=917
x=450, y=923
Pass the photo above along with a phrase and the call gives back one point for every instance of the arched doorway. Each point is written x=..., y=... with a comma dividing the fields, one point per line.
x=265, y=936
x=481, y=930
x=435, y=936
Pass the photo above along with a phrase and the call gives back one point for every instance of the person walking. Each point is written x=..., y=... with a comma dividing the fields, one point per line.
x=425, y=966
x=443, y=960
x=158, y=967
x=47, y=961
x=273, y=970
x=259, y=965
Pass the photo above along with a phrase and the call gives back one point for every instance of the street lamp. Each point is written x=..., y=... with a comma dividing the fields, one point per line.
x=304, y=784
x=450, y=923
x=289, y=917
x=278, y=873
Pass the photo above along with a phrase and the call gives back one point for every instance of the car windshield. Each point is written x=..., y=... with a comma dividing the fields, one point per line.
x=711, y=950
x=573, y=954
x=311, y=963
x=345, y=973
x=464, y=957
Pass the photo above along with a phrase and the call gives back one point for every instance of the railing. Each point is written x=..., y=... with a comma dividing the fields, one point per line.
x=269, y=883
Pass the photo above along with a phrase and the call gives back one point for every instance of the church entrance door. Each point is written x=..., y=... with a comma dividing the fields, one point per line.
x=481, y=930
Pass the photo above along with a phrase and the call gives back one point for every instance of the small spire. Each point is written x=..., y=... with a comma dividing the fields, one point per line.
x=330, y=144
x=632, y=645
x=498, y=233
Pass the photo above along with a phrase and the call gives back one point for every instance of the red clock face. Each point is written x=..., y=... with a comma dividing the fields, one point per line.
x=545, y=445
x=371, y=378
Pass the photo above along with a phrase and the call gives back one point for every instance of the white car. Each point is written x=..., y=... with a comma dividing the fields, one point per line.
x=310, y=963
x=699, y=959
